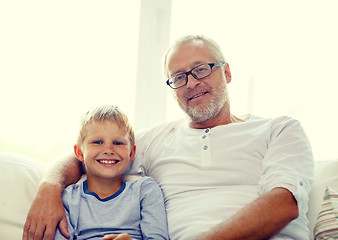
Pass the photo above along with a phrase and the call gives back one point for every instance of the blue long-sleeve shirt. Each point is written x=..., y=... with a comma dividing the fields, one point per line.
x=137, y=209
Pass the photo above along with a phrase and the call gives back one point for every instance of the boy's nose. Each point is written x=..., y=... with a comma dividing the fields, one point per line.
x=109, y=149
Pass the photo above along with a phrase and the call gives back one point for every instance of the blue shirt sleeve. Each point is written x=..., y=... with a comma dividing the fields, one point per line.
x=154, y=220
x=66, y=198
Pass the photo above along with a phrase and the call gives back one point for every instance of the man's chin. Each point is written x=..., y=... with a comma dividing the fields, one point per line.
x=200, y=115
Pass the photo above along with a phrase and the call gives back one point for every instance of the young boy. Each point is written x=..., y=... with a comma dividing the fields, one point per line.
x=105, y=204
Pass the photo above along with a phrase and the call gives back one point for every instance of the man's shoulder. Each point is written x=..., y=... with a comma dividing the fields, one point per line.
x=278, y=125
x=160, y=130
x=282, y=119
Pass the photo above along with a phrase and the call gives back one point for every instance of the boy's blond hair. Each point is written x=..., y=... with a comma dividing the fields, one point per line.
x=105, y=113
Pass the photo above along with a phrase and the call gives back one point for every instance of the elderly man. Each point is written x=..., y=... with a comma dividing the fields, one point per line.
x=223, y=177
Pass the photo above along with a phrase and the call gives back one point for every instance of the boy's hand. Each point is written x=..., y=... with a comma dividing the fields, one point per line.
x=123, y=236
x=45, y=214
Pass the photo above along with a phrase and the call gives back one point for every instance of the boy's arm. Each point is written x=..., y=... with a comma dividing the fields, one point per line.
x=58, y=235
x=47, y=212
x=153, y=214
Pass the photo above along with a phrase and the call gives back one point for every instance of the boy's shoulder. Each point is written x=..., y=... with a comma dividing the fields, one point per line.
x=72, y=192
x=142, y=180
x=143, y=183
x=145, y=187
x=74, y=187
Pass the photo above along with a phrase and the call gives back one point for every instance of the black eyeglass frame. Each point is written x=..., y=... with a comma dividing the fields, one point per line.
x=216, y=64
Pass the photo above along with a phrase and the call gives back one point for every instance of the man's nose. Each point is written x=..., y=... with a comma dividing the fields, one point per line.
x=191, y=81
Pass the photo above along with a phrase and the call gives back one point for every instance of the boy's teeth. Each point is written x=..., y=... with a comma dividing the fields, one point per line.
x=108, y=161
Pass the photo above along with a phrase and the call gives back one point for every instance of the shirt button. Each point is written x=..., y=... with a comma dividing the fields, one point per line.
x=207, y=130
x=301, y=183
x=204, y=136
x=205, y=147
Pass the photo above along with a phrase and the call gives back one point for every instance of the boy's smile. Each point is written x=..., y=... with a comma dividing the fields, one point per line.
x=107, y=161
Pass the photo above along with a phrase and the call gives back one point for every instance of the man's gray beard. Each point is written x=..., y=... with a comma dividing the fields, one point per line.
x=201, y=115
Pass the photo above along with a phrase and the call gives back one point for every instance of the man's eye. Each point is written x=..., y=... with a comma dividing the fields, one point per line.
x=179, y=78
x=201, y=69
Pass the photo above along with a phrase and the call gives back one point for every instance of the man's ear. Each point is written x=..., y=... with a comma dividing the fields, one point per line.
x=132, y=153
x=227, y=72
x=78, y=153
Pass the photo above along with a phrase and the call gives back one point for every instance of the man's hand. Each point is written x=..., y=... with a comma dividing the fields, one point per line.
x=123, y=236
x=45, y=214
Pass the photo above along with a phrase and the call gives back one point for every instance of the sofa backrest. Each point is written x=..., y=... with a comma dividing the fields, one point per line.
x=20, y=177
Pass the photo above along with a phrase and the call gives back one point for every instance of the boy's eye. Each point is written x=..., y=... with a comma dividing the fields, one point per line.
x=97, y=142
x=118, y=143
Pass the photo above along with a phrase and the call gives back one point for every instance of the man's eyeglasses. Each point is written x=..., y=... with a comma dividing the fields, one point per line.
x=199, y=72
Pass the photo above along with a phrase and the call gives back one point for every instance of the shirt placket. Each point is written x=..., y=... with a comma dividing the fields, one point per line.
x=206, y=147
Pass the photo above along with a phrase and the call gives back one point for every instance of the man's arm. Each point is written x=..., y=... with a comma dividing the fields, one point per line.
x=47, y=212
x=261, y=219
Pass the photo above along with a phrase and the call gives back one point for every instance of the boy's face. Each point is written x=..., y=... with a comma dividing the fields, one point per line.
x=105, y=151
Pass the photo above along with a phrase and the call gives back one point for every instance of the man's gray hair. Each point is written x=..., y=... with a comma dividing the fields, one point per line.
x=213, y=46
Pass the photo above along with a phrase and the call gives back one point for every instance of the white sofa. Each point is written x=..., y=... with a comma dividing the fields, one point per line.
x=19, y=178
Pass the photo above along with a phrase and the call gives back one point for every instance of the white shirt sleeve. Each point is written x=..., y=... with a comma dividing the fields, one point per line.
x=288, y=162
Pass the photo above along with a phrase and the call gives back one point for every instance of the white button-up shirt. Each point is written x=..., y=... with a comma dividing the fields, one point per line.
x=207, y=175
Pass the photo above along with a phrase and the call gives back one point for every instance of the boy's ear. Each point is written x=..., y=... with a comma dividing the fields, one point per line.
x=78, y=153
x=132, y=153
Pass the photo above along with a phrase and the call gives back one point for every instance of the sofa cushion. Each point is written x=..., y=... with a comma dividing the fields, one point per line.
x=326, y=175
x=326, y=226
x=19, y=181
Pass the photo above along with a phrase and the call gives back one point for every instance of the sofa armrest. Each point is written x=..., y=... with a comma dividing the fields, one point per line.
x=19, y=181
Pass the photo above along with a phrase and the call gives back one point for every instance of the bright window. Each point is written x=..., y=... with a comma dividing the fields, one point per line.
x=57, y=60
